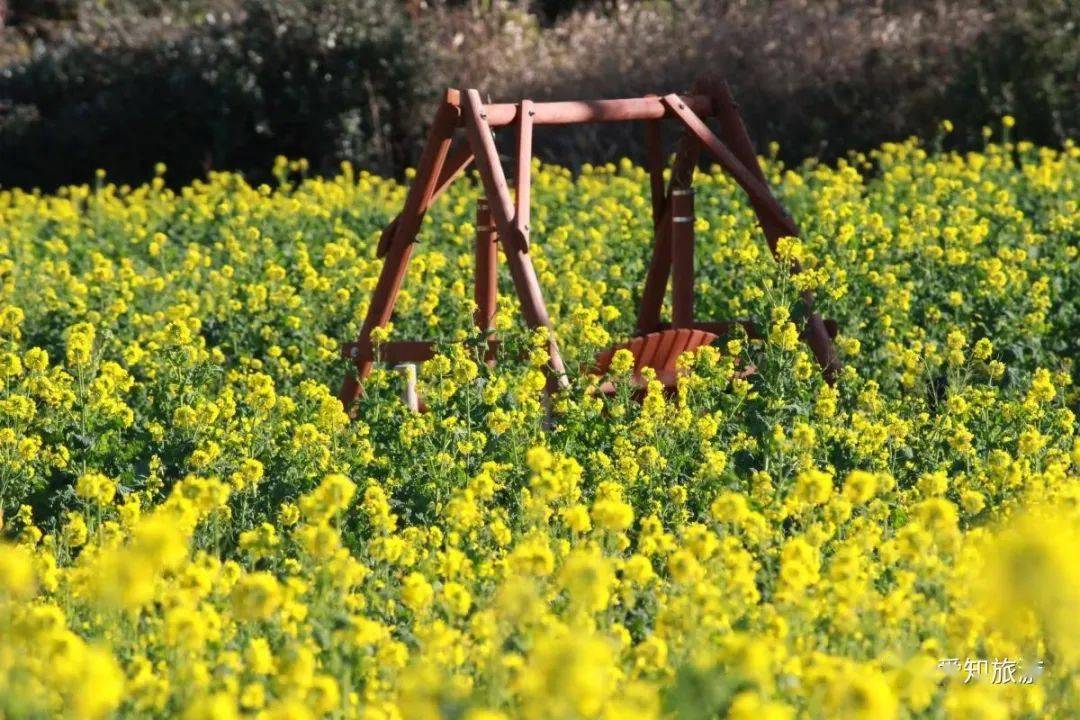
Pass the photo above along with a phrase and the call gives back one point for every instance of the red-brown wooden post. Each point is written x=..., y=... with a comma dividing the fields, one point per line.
x=396, y=261
x=656, y=280
x=523, y=171
x=682, y=258
x=757, y=191
x=486, y=291
x=514, y=245
x=654, y=162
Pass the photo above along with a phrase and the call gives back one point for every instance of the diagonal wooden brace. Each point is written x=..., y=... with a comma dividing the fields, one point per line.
x=775, y=223
x=379, y=313
x=733, y=133
x=523, y=172
x=459, y=158
x=757, y=191
x=396, y=261
x=491, y=173
x=516, y=250
x=428, y=171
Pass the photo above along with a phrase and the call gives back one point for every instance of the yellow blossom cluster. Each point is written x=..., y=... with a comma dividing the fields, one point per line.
x=192, y=526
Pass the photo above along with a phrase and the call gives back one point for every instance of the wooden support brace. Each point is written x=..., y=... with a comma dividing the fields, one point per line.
x=523, y=172
x=486, y=289
x=652, y=296
x=427, y=176
x=379, y=312
x=654, y=162
x=513, y=244
x=733, y=132
x=682, y=258
x=396, y=261
x=819, y=333
x=459, y=158
x=759, y=194
x=820, y=339
x=491, y=172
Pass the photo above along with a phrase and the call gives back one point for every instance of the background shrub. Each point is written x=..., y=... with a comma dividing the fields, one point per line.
x=1028, y=65
x=229, y=84
x=326, y=80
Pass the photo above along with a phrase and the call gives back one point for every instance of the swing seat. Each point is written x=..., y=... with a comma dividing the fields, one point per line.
x=657, y=350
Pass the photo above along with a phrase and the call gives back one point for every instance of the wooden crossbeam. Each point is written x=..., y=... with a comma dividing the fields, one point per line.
x=586, y=111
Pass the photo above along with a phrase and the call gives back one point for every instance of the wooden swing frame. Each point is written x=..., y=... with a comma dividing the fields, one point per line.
x=504, y=221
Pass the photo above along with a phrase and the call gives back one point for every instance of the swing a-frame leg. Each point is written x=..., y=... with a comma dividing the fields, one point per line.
x=513, y=235
x=743, y=166
x=399, y=247
x=497, y=219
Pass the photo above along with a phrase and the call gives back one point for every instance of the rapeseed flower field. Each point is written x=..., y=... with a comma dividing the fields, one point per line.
x=192, y=526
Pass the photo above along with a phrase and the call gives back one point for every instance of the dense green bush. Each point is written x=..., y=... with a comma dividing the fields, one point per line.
x=329, y=80
x=1028, y=65
x=230, y=84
